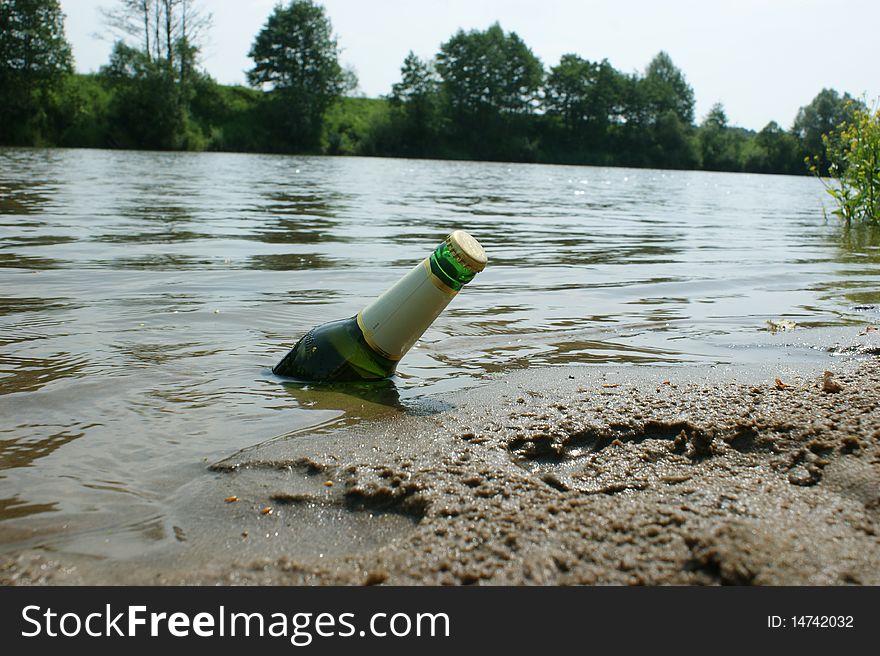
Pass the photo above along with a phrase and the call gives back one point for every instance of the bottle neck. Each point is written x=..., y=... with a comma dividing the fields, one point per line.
x=392, y=323
x=448, y=269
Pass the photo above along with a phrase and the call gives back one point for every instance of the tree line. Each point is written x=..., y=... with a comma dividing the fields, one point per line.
x=484, y=95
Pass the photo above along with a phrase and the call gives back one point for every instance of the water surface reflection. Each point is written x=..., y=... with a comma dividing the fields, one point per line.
x=146, y=296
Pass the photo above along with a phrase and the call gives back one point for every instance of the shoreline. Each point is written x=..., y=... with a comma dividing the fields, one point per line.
x=685, y=475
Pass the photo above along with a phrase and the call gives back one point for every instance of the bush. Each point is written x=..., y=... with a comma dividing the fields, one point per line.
x=350, y=125
x=854, y=155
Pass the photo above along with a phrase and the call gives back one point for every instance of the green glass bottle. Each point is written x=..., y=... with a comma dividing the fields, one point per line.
x=369, y=345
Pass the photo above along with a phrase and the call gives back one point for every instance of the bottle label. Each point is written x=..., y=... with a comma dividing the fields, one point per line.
x=394, y=322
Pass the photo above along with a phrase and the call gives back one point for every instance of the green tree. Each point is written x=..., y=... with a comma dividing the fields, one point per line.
x=719, y=147
x=489, y=73
x=773, y=150
x=152, y=73
x=35, y=59
x=653, y=126
x=145, y=107
x=568, y=91
x=418, y=82
x=416, y=108
x=584, y=92
x=490, y=83
x=672, y=143
x=83, y=119
x=665, y=89
x=164, y=31
x=635, y=112
x=607, y=94
x=586, y=99
x=296, y=58
x=825, y=113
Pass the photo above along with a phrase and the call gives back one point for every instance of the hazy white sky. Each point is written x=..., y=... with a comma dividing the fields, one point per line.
x=763, y=59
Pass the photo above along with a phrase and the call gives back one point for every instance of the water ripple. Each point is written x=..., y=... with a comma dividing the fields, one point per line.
x=146, y=297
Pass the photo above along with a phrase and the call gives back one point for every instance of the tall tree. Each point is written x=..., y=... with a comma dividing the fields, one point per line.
x=415, y=102
x=34, y=59
x=165, y=31
x=296, y=58
x=490, y=83
x=146, y=108
x=568, y=90
x=418, y=80
x=152, y=70
x=719, y=145
x=825, y=113
x=489, y=72
x=666, y=89
x=584, y=94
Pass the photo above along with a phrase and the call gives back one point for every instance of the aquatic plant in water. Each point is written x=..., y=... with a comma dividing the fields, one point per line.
x=853, y=150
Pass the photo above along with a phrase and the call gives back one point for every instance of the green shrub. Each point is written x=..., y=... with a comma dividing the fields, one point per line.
x=854, y=154
x=350, y=124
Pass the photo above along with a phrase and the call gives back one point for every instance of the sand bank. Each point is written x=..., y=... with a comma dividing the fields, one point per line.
x=570, y=475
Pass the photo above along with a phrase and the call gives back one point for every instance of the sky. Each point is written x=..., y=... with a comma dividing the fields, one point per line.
x=762, y=59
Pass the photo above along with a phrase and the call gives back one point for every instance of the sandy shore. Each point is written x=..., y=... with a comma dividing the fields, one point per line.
x=563, y=476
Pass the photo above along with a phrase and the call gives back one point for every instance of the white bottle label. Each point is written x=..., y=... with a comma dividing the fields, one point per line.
x=394, y=322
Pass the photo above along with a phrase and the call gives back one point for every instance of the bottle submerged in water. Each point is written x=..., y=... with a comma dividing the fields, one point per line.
x=369, y=345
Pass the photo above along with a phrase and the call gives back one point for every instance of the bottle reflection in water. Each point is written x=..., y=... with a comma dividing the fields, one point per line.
x=369, y=345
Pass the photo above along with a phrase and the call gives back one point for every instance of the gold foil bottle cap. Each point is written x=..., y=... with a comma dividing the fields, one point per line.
x=467, y=250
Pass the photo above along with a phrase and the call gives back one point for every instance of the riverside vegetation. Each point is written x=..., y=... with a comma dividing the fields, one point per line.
x=484, y=95
x=853, y=151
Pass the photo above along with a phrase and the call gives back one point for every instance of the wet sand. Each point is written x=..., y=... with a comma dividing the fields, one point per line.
x=576, y=475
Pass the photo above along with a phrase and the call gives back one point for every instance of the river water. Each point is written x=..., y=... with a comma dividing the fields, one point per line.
x=144, y=298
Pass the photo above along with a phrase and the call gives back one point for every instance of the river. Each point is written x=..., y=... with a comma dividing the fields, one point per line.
x=144, y=298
